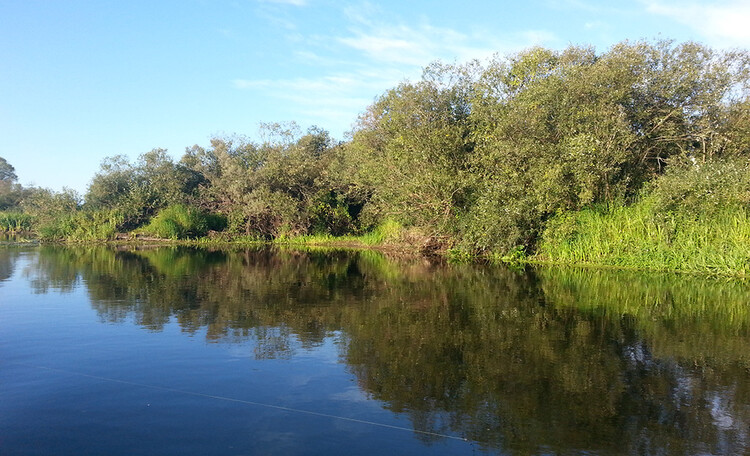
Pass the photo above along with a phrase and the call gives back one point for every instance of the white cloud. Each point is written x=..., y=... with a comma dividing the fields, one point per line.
x=286, y=2
x=331, y=101
x=424, y=43
x=387, y=40
x=725, y=23
x=374, y=53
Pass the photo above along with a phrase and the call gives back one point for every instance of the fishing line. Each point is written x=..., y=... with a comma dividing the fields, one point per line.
x=243, y=401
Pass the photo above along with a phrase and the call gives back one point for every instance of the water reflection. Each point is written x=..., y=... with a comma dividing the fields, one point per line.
x=8, y=259
x=548, y=361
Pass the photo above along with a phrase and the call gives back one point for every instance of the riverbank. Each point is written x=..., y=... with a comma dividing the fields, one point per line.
x=646, y=235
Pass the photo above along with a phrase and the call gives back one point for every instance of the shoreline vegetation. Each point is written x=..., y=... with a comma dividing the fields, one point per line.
x=635, y=158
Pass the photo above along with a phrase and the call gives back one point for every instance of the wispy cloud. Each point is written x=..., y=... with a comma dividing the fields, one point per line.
x=724, y=23
x=333, y=100
x=383, y=42
x=374, y=52
x=286, y=2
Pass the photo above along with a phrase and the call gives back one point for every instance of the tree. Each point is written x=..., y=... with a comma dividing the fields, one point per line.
x=7, y=171
x=559, y=131
x=411, y=149
x=11, y=192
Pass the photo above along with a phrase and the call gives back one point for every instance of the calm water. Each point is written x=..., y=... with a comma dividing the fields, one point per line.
x=268, y=352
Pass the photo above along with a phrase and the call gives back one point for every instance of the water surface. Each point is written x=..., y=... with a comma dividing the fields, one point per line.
x=265, y=351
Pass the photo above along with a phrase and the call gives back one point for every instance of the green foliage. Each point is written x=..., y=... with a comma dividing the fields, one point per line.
x=387, y=230
x=642, y=236
x=11, y=193
x=693, y=218
x=7, y=171
x=182, y=222
x=289, y=185
x=479, y=159
x=95, y=225
x=14, y=222
x=138, y=190
x=410, y=150
x=703, y=188
x=85, y=225
x=559, y=131
x=329, y=213
x=52, y=212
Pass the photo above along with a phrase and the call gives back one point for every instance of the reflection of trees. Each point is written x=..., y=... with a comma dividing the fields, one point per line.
x=8, y=257
x=56, y=269
x=556, y=361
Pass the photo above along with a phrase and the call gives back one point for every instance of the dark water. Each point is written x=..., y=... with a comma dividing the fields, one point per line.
x=267, y=352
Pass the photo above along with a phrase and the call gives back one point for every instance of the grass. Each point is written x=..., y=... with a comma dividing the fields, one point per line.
x=181, y=222
x=388, y=231
x=641, y=237
x=15, y=222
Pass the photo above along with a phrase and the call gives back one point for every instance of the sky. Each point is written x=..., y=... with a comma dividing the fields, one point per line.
x=84, y=80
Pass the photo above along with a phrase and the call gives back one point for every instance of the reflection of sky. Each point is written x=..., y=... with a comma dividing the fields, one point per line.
x=100, y=384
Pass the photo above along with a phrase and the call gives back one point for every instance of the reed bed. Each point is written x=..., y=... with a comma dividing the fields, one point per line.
x=639, y=237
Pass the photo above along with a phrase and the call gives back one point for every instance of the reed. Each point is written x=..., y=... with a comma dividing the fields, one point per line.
x=641, y=237
x=387, y=231
x=15, y=222
x=181, y=222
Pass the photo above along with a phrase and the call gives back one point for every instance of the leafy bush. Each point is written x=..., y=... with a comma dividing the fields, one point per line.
x=330, y=214
x=698, y=188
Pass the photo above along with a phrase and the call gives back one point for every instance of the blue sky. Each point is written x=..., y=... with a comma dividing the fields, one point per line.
x=83, y=80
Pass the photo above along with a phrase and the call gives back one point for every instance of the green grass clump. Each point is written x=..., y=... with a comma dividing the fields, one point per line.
x=639, y=237
x=389, y=230
x=14, y=222
x=695, y=218
x=182, y=222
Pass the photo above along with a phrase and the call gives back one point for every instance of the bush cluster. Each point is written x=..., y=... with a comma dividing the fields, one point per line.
x=484, y=158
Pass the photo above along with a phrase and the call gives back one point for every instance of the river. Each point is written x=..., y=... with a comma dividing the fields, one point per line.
x=271, y=351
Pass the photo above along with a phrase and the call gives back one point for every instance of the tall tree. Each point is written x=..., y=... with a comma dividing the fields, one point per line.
x=411, y=148
x=7, y=171
x=10, y=191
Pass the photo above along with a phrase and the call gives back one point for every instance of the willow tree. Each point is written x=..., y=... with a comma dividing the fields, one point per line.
x=276, y=187
x=10, y=191
x=558, y=131
x=411, y=148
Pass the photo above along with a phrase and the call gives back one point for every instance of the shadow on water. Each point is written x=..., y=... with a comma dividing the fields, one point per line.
x=546, y=361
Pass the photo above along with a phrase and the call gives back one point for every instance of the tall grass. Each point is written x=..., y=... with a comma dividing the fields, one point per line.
x=14, y=222
x=640, y=237
x=389, y=230
x=181, y=222
x=694, y=218
x=80, y=226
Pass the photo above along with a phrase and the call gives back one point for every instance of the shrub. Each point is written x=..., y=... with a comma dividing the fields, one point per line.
x=702, y=188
